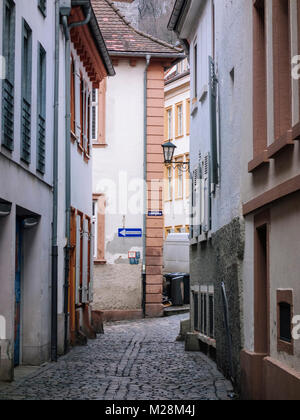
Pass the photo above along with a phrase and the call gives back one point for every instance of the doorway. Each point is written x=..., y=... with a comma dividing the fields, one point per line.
x=18, y=276
x=262, y=285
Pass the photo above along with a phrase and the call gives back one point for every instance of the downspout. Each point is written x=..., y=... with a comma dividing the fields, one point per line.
x=67, y=29
x=148, y=59
x=54, y=253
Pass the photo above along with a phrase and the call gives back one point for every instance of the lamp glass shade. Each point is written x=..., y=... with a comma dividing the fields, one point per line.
x=169, y=150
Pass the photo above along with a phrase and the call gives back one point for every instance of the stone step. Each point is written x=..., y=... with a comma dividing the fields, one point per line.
x=176, y=310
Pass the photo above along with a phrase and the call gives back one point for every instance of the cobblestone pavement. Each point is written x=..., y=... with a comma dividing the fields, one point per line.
x=137, y=360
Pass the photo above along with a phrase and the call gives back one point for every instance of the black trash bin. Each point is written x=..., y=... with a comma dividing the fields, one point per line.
x=177, y=291
x=172, y=291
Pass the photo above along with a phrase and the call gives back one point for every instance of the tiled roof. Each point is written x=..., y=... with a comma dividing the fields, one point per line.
x=121, y=37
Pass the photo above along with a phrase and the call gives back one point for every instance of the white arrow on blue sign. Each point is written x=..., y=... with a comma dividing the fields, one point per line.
x=130, y=233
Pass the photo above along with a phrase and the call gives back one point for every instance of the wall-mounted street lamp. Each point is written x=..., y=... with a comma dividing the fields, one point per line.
x=169, y=150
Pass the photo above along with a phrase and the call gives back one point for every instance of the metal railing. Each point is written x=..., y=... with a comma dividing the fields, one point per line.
x=8, y=115
x=26, y=131
x=41, y=145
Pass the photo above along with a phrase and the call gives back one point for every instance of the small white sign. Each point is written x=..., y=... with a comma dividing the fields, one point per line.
x=131, y=254
x=2, y=67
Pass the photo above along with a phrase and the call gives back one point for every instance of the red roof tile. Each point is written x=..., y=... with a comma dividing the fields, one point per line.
x=121, y=37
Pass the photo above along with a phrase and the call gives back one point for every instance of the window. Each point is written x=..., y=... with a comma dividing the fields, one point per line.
x=88, y=134
x=170, y=181
x=179, y=180
x=282, y=67
x=195, y=71
x=95, y=223
x=259, y=80
x=284, y=321
x=179, y=120
x=169, y=124
x=188, y=116
x=41, y=118
x=8, y=82
x=98, y=221
x=83, y=253
x=187, y=179
x=211, y=315
x=179, y=229
x=95, y=94
x=73, y=100
x=196, y=310
x=204, y=313
x=168, y=230
x=98, y=112
x=207, y=322
x=81, y=112
x=42, y=5
x=26, y=93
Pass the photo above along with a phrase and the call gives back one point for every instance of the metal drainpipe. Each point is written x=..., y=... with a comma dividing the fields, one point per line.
x=54, y=255
x=148, y=59
x=67, y=29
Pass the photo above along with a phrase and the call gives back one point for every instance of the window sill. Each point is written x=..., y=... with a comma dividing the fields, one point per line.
x=86, y=157
x=194, y=107
x=296, y=131
x=285, y=347
x=100, y=262
x=259, y=161
x=203, y=94
x=73, y=137
x=80, y=148
x=207, y=340
x=100, y=145
x=284, y=142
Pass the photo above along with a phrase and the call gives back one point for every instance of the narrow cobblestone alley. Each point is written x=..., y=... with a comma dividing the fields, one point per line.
x=138, y=360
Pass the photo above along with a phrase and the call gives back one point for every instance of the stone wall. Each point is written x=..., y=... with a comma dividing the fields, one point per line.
x=216, y=261
x=150, y=16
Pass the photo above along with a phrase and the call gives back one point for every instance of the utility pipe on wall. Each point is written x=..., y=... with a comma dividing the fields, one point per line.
x=54, y=256
x=148, y=59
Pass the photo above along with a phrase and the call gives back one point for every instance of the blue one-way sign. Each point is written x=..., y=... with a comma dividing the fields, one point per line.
x=130, y=233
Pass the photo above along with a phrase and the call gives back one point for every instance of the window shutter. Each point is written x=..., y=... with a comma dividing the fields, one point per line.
x=42, y=4
x=85, y=261
x=91, y=284
x=77, y=269
x=8, y=34
x=213, y=120
x=26, y=93
x=196, y=202
x=206, y=226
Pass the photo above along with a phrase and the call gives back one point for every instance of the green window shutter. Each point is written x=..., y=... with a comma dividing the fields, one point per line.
x=8, y=82
x=42, y=5
x=41, y=106
x=213, y=92
x=26, y=93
